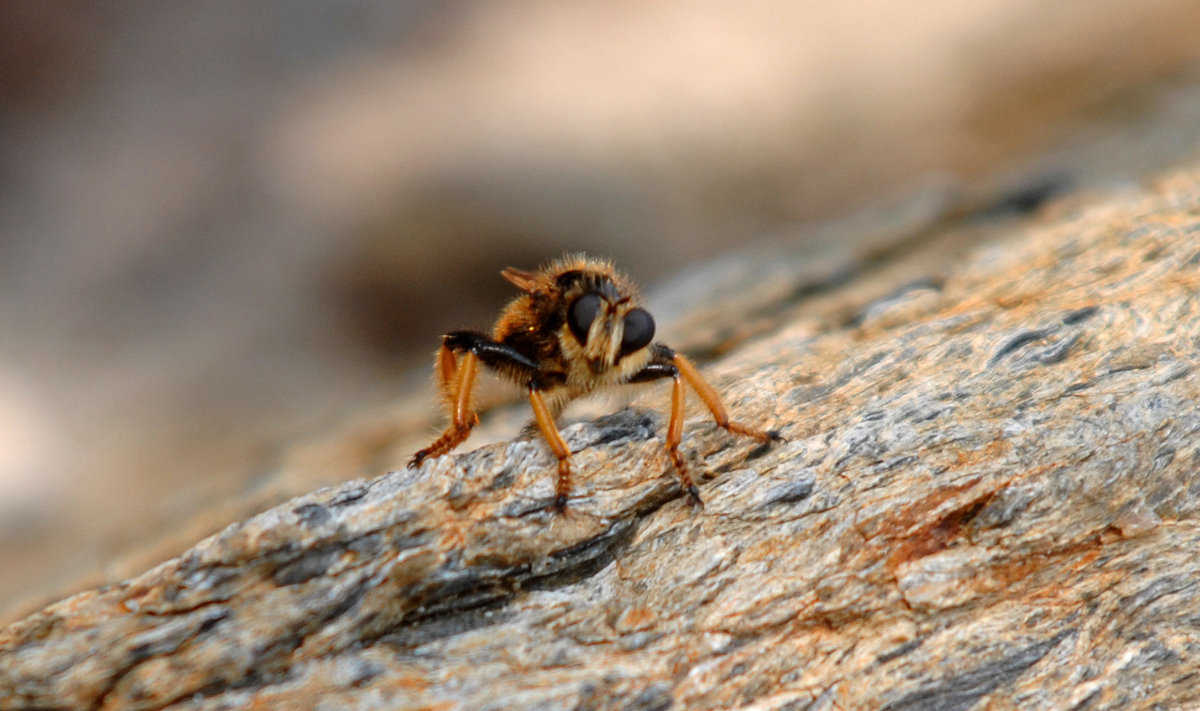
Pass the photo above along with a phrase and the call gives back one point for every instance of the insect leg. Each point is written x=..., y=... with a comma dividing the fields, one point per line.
x=447, y=368
x=713, y=402
x=675, y=436
x=501, y=357
x=456, y=380
x=666, y=363
x=463, y=418
x=662, y=366
x=545, y=421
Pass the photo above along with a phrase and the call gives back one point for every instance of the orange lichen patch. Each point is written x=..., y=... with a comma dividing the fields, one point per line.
x=927, y=515
x=957, y=576
x=408, y=681
x=939, y=534
x=1012, y=301
x=634, y=618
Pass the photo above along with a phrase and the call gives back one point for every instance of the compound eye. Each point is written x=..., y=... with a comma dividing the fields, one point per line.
x=639, y=331
x=583, y=312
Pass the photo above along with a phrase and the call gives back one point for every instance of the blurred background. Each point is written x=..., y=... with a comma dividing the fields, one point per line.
x=224, y=226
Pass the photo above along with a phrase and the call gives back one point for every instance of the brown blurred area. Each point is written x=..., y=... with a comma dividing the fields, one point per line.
x=224, y=226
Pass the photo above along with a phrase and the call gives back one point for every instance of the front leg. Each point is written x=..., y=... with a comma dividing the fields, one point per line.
x=666, y=363
x=661, y=365
x=713, y=402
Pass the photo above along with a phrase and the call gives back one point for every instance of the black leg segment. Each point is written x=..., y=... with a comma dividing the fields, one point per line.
x=493, y=354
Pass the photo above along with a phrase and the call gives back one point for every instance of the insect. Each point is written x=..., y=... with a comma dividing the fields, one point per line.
x=577, y=327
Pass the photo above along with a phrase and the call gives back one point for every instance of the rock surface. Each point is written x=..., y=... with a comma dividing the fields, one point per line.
x=235, y=226
x=988, y=499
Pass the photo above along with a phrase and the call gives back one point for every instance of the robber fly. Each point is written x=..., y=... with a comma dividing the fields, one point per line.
x=578, y=327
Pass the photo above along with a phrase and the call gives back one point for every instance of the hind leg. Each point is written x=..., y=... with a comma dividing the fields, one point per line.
x=456, y=381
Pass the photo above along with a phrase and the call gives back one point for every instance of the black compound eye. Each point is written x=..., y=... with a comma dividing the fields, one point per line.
x=639, y=331
x=583, y=312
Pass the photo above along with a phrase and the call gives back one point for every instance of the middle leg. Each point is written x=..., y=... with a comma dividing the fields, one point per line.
x=545, y=421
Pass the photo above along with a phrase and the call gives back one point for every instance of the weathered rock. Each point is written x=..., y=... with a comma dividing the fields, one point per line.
x=988, y=499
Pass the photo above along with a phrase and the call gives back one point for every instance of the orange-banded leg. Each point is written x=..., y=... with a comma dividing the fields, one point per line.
x=675, y=436
x=461, y=378
x=684, y=371
x=447, y=369
x=713, y=402
x=545, y=422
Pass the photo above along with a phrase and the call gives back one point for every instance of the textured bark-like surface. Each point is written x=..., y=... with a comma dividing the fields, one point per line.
x=988, y=499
